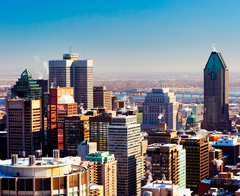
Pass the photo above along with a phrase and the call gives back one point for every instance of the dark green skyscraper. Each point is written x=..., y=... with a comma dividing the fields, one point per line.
x=26, y=87
x=216, y=115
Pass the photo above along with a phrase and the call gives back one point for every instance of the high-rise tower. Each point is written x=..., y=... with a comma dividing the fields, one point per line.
x=216, y=116
x=124, y=141
x=71, y=72
x=24, y=126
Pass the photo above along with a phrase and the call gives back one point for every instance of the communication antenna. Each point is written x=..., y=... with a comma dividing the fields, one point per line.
x=70, y=49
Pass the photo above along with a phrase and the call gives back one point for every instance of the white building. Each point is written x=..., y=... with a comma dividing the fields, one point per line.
x=71, y=72
x=165, y=188
x=124, y=141
x=159, y=106
x=43, y=176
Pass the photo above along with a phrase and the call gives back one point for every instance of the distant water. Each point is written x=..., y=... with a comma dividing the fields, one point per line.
x=179, y=96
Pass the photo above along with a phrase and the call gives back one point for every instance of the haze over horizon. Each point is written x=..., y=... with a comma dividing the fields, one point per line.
x=120, y=36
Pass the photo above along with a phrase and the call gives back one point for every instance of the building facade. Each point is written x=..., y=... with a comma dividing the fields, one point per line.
x=162, y=135
x=99, y=131
x=160, y=106
x=197, y=159
x=167, y=163
x=106, y=170
x=72, y=72
x=61, y=104
x=102, y=97
x=159, y=188
x=124, y=141
x=76, y=130
x=23, y=126
x=216, y=99
x=45, y=176
x=230, y=147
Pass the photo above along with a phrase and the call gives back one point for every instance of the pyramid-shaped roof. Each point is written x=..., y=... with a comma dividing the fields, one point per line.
x=26, y=73
x=26, y=87
x=215, y=62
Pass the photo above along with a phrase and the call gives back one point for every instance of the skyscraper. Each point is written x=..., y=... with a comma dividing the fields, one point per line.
x=24, y=126
x=26, y=87
x=61, y=104
x=71, y=72
x=124, y=141
x=82, y=81
x=216, y=116
x=159, y=106
x=197, y=159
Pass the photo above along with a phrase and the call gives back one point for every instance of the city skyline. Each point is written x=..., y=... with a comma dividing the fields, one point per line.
x=119, y=36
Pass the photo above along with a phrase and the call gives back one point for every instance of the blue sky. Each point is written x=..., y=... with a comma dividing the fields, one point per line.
x=121, y=35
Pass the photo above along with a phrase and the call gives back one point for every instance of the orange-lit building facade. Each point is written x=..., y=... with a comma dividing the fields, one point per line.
x=61, y=104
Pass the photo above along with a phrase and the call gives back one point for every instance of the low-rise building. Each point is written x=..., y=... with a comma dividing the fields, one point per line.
x=43, y=176
x=165, y=188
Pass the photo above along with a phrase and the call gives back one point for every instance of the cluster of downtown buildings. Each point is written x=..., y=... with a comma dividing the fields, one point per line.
x=66, y=137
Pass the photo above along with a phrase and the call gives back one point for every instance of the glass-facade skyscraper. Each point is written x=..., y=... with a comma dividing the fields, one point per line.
x=216, y=115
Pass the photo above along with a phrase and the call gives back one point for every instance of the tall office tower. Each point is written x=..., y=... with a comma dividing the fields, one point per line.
x=99, y=130
x=83, y=82
x=160, y=106
x=76, y=130
x=26, y=87
x=167, y=163
x=106, y=170
x=102, y=97
x=71, y=72
x=216, y=115
x=61, y=104
x=60, y=71
x=197, y=159
x=23, y=126
x=124, y=141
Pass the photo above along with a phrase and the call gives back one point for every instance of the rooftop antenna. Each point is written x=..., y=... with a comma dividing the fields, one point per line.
x=70, y=49
x=83, y=54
